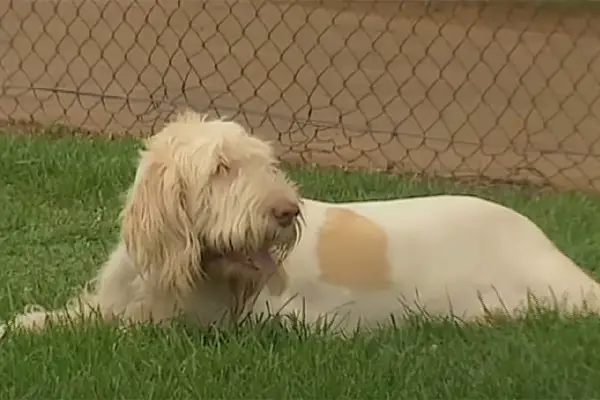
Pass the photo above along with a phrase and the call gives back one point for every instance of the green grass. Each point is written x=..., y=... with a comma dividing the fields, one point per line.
x=59, y=201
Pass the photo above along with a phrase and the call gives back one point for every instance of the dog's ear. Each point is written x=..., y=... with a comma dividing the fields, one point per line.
x=156, y=227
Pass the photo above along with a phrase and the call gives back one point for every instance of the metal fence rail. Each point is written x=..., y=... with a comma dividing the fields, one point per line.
x=502, y=90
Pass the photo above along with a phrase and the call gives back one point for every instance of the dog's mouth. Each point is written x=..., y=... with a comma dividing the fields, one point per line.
x=260, y=260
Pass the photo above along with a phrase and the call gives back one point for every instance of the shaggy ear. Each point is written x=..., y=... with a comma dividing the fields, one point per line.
x=156, y=228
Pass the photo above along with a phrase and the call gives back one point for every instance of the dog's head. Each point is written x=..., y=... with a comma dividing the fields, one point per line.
x=206, y=191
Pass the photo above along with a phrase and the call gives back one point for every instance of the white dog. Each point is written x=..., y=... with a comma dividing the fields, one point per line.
x=209, y=217
x=441, y=255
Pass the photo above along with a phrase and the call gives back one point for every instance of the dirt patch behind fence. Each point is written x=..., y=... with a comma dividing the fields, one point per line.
x=452, y=90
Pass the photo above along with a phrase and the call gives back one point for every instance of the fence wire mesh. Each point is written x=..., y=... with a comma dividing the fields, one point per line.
x=501, y=90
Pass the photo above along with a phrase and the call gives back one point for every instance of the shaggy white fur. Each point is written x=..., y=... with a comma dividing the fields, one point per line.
x=461, y=256
x=211, y=219
x=206, y=222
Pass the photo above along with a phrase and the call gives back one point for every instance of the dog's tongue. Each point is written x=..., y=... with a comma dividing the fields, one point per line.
x=263, y=260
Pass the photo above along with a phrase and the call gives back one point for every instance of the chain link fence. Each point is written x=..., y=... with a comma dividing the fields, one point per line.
x=499, y=90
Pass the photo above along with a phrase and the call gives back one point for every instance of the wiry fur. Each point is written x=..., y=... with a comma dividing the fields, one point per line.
x=358, y=264
x=206, y=194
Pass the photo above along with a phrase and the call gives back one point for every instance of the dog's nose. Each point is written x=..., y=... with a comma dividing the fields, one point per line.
x=285, y=214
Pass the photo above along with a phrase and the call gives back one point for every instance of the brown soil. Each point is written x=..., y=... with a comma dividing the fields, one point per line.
x=494, y=91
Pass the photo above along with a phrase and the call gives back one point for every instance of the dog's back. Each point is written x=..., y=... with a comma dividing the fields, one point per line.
x=441, y=254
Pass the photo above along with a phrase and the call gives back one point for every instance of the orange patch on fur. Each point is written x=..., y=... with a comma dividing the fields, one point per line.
x=352, y=252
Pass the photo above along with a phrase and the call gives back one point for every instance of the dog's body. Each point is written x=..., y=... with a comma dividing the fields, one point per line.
x=211, y=229
x=441, y=254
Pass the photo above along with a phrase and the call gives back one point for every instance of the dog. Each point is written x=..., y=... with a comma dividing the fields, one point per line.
x=207, y=220
x=213, y=230
x=363, y=264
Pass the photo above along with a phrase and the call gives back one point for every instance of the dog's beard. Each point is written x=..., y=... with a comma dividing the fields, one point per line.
x=245, y=272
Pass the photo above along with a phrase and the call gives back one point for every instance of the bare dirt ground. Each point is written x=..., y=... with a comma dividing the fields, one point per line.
x=456, y=90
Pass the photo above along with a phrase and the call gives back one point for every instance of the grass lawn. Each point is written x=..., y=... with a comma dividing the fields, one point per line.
x=59, y=201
